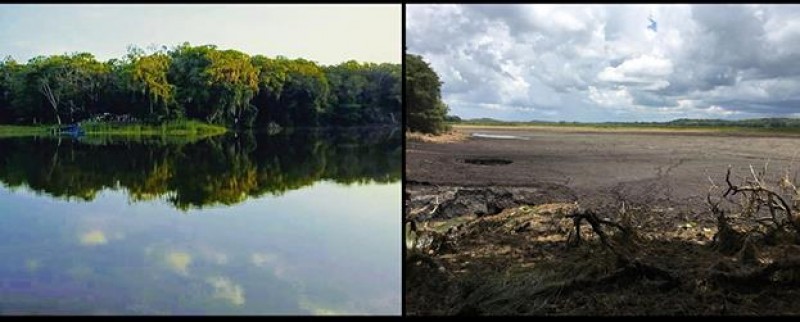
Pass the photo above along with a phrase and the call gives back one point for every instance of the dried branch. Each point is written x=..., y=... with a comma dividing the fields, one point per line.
x=759, y=195
x=596, y=222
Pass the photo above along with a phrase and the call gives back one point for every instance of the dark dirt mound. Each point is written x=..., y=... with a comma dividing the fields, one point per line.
x=437, y=202
x=487, y=161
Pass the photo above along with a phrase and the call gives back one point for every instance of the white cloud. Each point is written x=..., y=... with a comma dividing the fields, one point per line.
x=93, y=238
x=580, y=60
x=611, y=98
x=643, y=69
x=718, y=110
x=225, y=289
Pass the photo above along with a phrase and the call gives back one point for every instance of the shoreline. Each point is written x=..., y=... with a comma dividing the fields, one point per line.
x=169, y=129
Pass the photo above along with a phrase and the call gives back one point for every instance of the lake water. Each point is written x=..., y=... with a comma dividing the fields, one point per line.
x=498, y=136
x=300, y=223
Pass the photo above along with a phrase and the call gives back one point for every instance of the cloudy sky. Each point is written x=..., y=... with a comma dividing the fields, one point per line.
x=611, y=62
x=328, y=34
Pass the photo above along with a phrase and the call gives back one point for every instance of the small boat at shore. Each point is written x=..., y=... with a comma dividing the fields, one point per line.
x=71, y=130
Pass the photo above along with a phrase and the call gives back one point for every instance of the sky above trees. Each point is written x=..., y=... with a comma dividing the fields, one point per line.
x=612, y=62
x=327, y=34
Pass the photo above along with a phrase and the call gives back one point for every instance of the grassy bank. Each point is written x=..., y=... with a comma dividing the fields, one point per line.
x=21, y=130
x=177, y=128
x=170, y=128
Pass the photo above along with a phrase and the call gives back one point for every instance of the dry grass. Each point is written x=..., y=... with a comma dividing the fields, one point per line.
x=448, y=137
x=517, y=263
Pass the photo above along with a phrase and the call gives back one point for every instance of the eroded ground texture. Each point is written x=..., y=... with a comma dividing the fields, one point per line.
x=495, y=225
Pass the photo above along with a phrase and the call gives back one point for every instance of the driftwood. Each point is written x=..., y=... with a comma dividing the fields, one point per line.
x=765, y=197
x=757, y=195
x=596, y=223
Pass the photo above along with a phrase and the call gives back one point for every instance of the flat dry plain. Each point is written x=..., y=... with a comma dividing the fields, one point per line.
x=601, y=164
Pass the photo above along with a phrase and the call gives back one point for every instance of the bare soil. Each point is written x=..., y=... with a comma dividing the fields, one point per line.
x=492, y=237
x=599, y=166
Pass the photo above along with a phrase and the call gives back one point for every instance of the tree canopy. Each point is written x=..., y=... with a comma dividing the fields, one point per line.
x=217, y=86
x=425, y=111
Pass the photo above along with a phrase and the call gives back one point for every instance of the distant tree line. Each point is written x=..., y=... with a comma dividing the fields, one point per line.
x=756, y=123
x=225, y=87
x=683, y=122
x=425, y=111
x=452, y=119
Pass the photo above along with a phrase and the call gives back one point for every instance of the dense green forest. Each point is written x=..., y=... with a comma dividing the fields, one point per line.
x=425, y=111
x=205, y=83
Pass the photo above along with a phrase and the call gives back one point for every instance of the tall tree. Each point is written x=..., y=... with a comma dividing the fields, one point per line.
x=9, y=71
x=272, y=75
x=148, y=76
x=188, y=73
x=304, y=94
x=425, y=110
x=347, y=84
x=235, y=80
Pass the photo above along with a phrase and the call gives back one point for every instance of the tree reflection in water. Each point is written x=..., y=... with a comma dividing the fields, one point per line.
x=202, y=172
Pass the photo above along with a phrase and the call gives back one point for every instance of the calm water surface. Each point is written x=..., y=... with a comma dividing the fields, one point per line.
x=301, y=223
